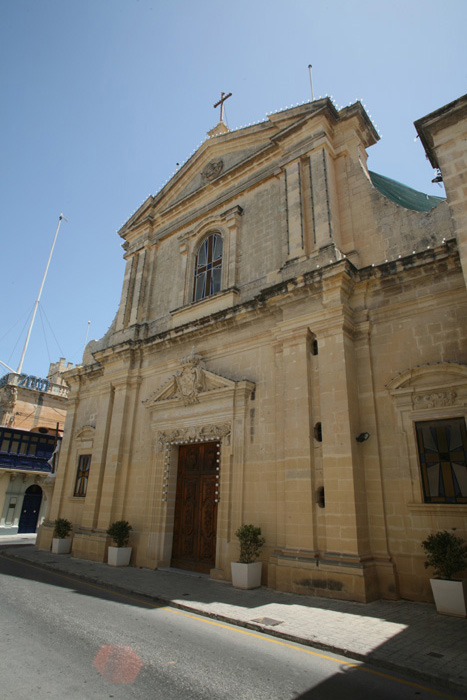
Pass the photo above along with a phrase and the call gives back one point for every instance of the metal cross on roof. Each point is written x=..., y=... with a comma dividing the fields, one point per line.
x=224, y=97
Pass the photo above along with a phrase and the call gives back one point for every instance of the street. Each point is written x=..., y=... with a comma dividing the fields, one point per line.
x=63, y=638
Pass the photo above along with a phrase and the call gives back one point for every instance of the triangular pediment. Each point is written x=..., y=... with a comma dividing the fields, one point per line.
x=212, y=167
x=190, y=383
x=224, y=155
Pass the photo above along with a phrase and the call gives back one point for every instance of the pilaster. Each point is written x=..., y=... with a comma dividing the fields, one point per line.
x=125, y=297
x=294, y=212
x=297, y=455
x=114, y=453
x=344, y=482
x=232, y=218
x=323, y=196
x=98, y=459
x=65, y=460
x=140, y=260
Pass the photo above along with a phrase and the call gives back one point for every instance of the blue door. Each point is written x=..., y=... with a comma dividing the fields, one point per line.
x=30, y=510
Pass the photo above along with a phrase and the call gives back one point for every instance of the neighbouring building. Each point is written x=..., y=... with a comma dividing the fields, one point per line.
x=290, y=351
x=32, y=417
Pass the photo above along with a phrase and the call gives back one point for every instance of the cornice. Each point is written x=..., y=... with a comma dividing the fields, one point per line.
x=338, y=281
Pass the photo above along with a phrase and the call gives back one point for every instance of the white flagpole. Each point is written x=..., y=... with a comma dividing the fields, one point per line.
x=86, y=337
x=20, y=366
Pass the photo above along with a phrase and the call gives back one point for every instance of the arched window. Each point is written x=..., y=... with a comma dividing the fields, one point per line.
x=208, y=267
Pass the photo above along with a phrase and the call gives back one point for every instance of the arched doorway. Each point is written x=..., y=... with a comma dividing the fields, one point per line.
x=30, y=510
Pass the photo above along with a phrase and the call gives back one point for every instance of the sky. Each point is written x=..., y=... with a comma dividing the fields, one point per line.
x=102, y=98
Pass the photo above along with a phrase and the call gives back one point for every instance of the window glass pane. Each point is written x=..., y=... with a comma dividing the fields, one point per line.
x=203, y=254
x=43, y=448
x=23, y=446
x=216, y=279
x=209, y=254
x=217, y=247
x=5, y=445
x=460, y=475
x=200, y=286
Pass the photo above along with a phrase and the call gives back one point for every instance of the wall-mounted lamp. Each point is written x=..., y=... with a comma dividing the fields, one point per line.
x=362, y=437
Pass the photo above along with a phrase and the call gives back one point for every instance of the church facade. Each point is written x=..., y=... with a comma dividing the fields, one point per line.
x=289, y=351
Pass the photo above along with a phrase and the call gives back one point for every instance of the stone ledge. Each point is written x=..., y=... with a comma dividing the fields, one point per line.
x=210, y=305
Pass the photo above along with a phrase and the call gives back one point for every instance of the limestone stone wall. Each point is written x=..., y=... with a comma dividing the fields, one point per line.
x=340, y=313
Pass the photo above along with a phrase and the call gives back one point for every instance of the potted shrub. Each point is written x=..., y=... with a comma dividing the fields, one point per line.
x=447, y=554
x=119, y=533
x=61, y=542
x=246, y=573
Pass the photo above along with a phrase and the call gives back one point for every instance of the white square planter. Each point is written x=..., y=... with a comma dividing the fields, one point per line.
x=246, y=576
x=119, y=556
x=61, y=545
x=450, y=596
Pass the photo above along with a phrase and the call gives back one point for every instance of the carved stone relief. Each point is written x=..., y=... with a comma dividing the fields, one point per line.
x=190, y=379
x=189, y=383
x=85, y=432
x=435, y=399
x=212, y=170
x=200, y=433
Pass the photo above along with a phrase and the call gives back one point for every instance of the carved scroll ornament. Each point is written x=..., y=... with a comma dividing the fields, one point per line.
x=203, y=433
x=435, y=399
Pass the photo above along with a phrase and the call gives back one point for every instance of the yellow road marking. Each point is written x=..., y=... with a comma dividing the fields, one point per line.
x=234, y=628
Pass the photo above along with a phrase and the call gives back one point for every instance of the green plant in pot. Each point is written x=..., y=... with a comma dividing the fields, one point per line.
x=61, y=541
x=447, y=555
x=62, y=528
x=246, y=573
x=119, y=533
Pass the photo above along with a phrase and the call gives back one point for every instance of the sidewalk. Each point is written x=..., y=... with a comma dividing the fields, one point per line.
x=409, y=638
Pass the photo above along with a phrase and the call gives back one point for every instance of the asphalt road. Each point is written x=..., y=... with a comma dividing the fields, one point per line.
x=63, y=638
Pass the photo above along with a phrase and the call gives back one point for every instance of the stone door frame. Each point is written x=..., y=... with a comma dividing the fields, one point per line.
x=217, y=411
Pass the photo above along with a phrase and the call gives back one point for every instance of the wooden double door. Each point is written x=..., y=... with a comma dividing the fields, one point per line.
x=194, y=541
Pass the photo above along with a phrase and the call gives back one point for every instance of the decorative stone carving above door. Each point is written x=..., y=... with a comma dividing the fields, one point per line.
x=191, y=383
